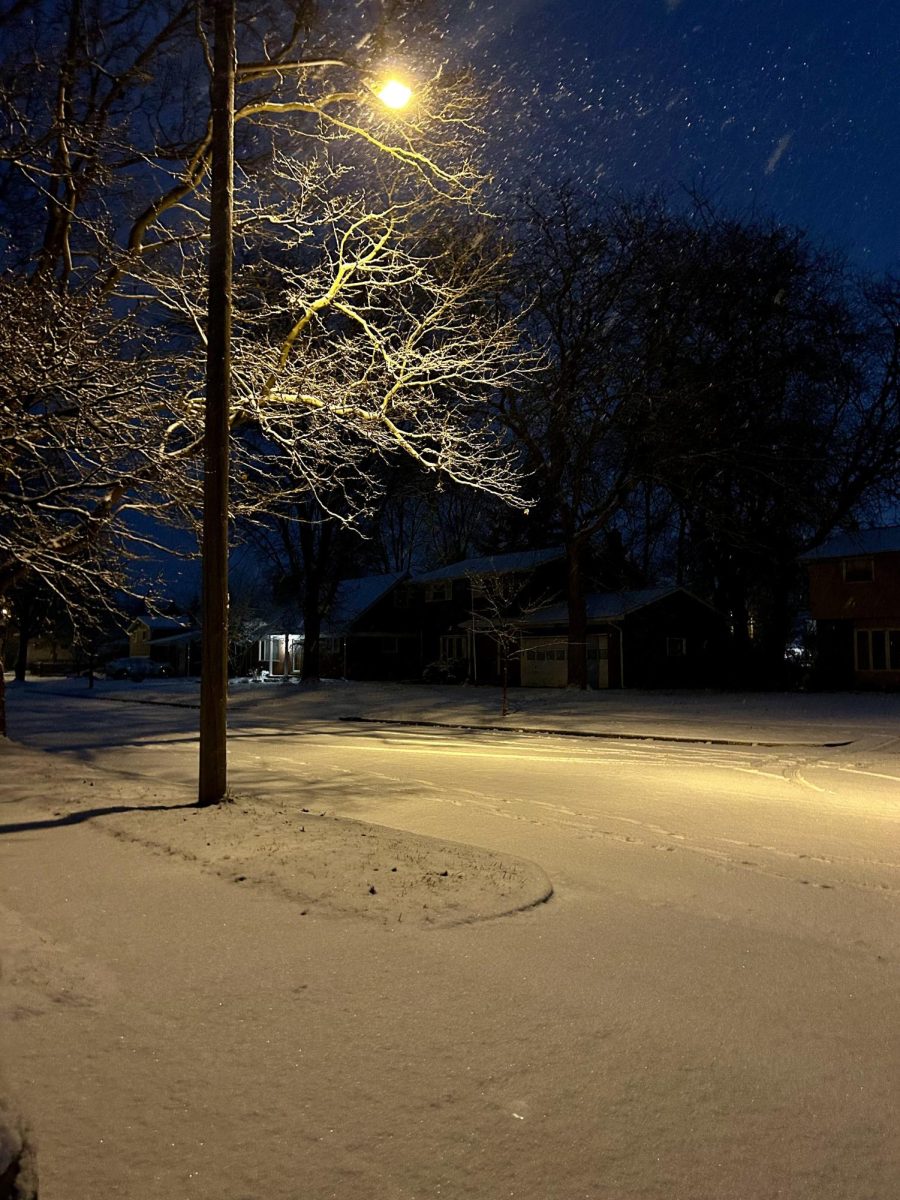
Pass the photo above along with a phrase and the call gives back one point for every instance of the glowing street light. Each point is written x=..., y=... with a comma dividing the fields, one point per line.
x=394, y=94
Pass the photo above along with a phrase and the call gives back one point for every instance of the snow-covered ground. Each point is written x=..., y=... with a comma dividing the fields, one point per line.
x=303, y=994
x=778, y=717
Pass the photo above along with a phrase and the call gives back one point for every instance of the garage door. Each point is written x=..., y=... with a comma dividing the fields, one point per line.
x=544, y=662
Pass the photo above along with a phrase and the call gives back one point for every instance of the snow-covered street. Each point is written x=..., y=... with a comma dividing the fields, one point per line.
x=706, y=1007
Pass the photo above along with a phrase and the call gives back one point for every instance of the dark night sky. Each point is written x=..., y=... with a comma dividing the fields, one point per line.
x=785, y=106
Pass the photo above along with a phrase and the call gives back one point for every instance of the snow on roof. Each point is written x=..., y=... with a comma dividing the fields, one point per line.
x=283, y=620
x=602, y=606
x=493, y=564
x=187, y=635
x=885, y=540
x=355, y=597
x=160, y=624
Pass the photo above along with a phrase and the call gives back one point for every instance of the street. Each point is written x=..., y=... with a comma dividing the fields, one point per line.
x=705, y=1008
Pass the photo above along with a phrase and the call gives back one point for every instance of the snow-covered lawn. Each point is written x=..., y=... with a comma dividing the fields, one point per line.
x=298, y=997
x=817, y=717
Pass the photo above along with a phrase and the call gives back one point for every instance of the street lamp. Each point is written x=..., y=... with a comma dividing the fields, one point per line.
x=213, y=781
x=394, y=94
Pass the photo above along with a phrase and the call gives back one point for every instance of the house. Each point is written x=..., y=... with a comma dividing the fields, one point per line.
x=361, y=637
x=471, y=619
x=169, y=640
x=367, y=633
x=396, y=626
x=854, y=599
x=275, y=642
x=652, y=638
x=465, y=611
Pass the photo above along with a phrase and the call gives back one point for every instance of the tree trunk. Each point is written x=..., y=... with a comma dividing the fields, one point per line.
x=776, y=632
x=312, y=625
x=577, y=643
x=316, y=542
x=740, y=668
x=24, y=623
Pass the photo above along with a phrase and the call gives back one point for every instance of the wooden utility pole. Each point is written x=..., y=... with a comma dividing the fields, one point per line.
x=214, y=661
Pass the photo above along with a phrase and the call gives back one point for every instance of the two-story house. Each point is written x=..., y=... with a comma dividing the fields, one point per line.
x=467, y=611
x=854, y=599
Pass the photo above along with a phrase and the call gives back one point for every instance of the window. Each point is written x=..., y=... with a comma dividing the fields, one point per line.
x=389, y=645
x=453, y=646
x=858, y=570
x=439, y=589
x=676, y=647
x=878, y=649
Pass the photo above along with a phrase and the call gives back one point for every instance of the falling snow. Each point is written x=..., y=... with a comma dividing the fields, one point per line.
x=681, y=94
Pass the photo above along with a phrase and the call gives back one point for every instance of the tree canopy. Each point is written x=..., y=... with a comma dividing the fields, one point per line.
x=361, y=328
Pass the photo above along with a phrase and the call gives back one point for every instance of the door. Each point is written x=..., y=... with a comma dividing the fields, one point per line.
x=544, y=662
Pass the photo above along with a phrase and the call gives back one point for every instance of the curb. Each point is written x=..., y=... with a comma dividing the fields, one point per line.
x=687, y=739
x=586, y=733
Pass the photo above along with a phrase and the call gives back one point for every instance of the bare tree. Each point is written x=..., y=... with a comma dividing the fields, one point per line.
x=361, y=331
x=499, y=603
x=584, y=425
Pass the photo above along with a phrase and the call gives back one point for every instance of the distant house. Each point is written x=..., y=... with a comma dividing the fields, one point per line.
x=169, y=640
x=652, y=638
x=361, y=637
x=277, y=645
x=367, y=634
x=854, y=599
x=461, y=621
x=395, y=626
x=449, y=607
x=48, y=655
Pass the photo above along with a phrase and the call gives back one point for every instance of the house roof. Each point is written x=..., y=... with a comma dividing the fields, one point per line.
x=493, y=564
x=354, y=597
x=160, y=624
x=187, y=635
x=603, y=606
x=885, y=540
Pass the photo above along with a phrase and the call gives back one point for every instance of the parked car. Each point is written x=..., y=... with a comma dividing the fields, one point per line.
x=136, y=669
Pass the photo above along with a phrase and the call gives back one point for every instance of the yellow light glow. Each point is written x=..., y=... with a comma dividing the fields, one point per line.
x=395, y=94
